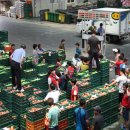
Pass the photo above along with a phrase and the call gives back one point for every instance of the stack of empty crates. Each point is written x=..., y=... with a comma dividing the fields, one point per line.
x=19, y=9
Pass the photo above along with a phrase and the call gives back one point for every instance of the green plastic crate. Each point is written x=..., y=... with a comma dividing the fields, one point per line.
x=34, y=116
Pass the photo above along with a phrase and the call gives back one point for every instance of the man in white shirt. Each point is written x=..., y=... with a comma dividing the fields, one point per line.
x=120, y=80
x=53, y=94
x=17, y=59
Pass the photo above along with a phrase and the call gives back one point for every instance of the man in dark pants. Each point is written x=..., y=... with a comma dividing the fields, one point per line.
x=94, y=48
x=17, y=59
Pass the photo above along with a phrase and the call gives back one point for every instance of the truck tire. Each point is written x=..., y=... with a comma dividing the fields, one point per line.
x=108, y=39
x=115, y=39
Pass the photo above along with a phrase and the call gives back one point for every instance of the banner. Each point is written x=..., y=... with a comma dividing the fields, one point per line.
x=93, y=15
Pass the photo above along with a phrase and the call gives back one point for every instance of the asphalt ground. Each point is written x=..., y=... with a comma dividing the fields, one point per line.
x=49, y=34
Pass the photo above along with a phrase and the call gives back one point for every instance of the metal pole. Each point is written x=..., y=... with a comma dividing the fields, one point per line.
x=82, y=35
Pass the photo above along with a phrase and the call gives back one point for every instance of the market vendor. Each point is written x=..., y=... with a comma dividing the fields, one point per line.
x=40, y=52
x=53, y=79
x=98, y=120
x=70, y=70
x=12, y=49
x=92, y=28
x=17, y=59
x=101, y=30
x=53, y=94
x=120, y=80
x=85, y=64
x=127, y=71
x=74, y=90
x=125, y=104
x=94, y=50
x=40, y=49
x=35, y=55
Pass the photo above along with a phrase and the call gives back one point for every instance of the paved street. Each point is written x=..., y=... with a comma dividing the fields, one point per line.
x=49, y=35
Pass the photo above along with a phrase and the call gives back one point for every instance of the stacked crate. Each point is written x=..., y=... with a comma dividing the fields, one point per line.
x=20, y=103
x=15, y=119
x=7, y=97
x=95, y=79
x=23, y=121
x=42, y=70
x=37, y=82
x=35, y=100
x=3, y=38
x=63, y=119
x=5, y=118
x=107, y=98
x=35, y=118
x=19, y=9
x=104, y=64
x=28, y=73
x=28, y=11
x=39, y=92
x=5, y=76
x=51, y=57
x=11, y=127
x=61, y=54
x=4, y=60
x=84, y=84
x=27, y=88
x=67, y=114
x=62, y=95
x=28, y=63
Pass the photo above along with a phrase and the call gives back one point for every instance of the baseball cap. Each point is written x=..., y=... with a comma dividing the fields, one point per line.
x=97, y=108
x=115, y=50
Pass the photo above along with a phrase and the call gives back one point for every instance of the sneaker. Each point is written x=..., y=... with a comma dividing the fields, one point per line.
x=14, y=87
x=22, y=90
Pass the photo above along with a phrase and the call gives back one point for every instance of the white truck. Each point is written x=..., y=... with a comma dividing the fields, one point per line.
x=117, y=28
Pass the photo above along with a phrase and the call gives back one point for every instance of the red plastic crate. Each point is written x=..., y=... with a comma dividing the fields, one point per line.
x=37, y=125
x=63, y=124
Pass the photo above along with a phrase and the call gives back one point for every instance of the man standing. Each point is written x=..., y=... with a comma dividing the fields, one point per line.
x=62, y=45
x=12, y=49
x=101, y=30
x=53, y=94
x=98, y=120
x=78, y=49
x=52, y=115
x=92, y=29
x=94, y=49
x=17, y=59
x=81, y=116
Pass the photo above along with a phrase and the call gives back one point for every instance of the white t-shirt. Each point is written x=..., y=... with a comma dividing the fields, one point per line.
x=121, y=80
x=53, y=94
x=18, y=54
x=75, y=61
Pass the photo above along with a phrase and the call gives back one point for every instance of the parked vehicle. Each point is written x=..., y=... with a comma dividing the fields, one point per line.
x=117, y=28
